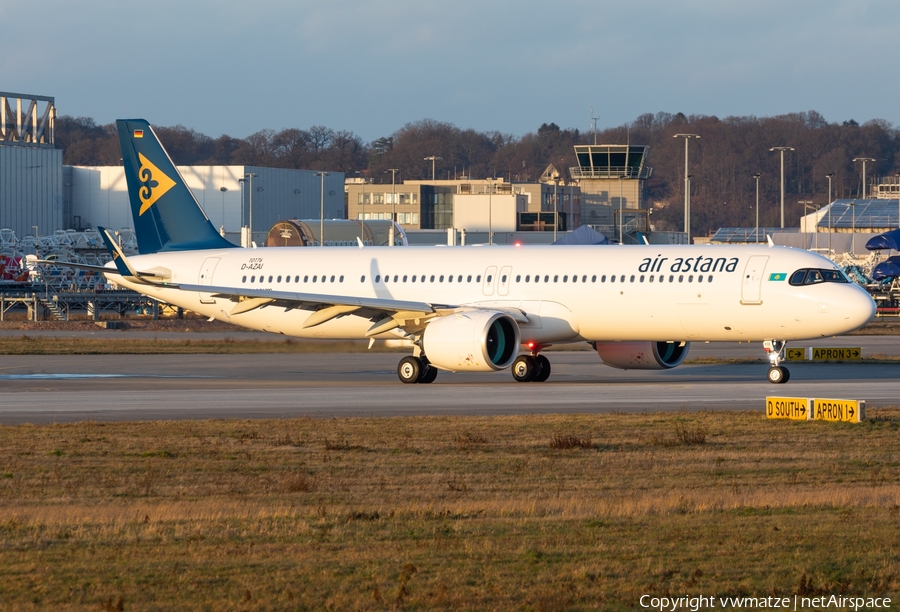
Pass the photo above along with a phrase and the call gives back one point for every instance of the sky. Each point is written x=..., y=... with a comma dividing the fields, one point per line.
x=372, y=66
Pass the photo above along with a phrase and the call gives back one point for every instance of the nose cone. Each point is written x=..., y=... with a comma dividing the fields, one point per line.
x=858, y=308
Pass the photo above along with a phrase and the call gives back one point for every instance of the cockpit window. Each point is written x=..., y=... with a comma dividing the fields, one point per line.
x=814, y=276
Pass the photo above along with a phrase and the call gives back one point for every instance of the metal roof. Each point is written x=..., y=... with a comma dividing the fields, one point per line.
x=862, y=214
x=728, y=235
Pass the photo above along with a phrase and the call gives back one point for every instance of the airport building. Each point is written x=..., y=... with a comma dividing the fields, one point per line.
x=31, y=176
x=230, y=195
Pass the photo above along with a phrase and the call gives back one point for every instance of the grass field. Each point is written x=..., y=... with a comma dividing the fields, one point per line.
x=578, y=512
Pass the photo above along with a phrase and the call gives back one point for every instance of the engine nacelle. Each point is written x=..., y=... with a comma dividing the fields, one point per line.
x=642, y=355
x=475, y=341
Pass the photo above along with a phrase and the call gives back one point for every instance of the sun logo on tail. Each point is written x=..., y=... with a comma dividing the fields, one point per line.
x=154, y=184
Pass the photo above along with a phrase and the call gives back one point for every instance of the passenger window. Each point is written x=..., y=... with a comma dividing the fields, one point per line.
x=253, y=279
x=612, y=279
x=691, y=278
x=566, y=278
x=546, y=278
x=270, y=278
x=459, y=280
x=442, y=278
x=518, y=278
x=362, y=278
x=332, y=278
x=314, y=278
x=488, y=279
x=450, y=279
x=574, y=278
x=594, y=278
x=377, y=278
x=244, y=280
x=681, y=278
x=527, y=278
x=478, y=278
x=651, y=278
x=404, y=278
x=503, y=278
x=631, y=280
x=584, y=278
x=469, y=278
x=306, y=279
x=395, y=278
x=412, y=278
x=279, y=278
x=671, y=278
x=432, y=278
x=287, y=279
x=341, y=279
x=537, y=279
x=297, y=279
x=642, y=278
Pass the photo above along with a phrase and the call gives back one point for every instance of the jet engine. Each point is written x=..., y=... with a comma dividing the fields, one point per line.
x=473, y=341
x=642, y=355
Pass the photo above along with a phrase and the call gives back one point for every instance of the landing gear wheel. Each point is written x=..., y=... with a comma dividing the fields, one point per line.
x=428, y=375
x=778, y=375
x=524, y=368
x=543, y=369
x=409, y=369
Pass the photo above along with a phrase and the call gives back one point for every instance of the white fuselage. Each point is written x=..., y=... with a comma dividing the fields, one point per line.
x=602, y=293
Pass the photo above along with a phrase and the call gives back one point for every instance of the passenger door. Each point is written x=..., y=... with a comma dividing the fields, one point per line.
x=504, y=280
x=487, y=283
x=206, y=276
x=752, y=281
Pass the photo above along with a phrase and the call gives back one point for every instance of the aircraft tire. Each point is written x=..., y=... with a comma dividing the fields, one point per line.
x=428, y=375
x=524, y=368
x=543, y=369
x=409, y=369
x=778, y=375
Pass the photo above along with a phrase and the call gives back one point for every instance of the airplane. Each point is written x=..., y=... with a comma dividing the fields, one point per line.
x=478, y=308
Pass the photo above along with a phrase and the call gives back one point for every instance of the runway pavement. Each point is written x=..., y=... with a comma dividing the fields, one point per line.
x=43, y=389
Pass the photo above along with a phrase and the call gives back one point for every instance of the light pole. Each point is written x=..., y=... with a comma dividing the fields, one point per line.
x=555, y=205
x=863, y=160
x=244, y=242
x=622, y=211
x=829, y=176
x=808, y=204
x=687, y=186
x=393, y=172
x=853, y=228
x=782, y=150
x=756, y=235
x=250, y=176
x=490, y=188
x=322, y=174
x=223, y=189
x=431, y=158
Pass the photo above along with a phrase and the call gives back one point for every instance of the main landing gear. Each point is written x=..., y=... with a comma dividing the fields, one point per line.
x=531, y=368
x=778, y=374
x=413, y=370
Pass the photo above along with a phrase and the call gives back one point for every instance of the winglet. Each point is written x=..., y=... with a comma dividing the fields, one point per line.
x=769, y=240
x=122, y=264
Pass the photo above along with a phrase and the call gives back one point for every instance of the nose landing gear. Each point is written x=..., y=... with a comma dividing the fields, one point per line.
x=778, y=374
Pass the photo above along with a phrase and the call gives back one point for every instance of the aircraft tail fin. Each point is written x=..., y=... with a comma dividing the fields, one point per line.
x=166, y=215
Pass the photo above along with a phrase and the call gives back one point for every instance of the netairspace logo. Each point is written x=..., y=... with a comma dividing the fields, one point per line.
x=701, y=602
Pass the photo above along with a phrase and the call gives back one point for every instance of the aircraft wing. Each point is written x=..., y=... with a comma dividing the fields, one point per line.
x=70, y=264
x=386, y=313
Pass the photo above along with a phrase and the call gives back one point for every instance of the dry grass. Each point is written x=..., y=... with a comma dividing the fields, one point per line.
x=512, y=512
x=191, y=344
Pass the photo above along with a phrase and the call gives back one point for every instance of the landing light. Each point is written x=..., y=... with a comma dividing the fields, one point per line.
x=518, y=244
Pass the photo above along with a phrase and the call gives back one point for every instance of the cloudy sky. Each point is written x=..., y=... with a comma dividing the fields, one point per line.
x=371, y=66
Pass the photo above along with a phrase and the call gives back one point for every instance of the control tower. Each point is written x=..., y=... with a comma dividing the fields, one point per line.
x=611, y=178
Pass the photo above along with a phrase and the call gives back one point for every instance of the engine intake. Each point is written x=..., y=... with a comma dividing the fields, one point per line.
x=642, y=355
x=475, y=341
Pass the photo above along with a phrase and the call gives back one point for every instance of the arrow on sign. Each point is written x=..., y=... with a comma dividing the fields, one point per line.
x=851, y=412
